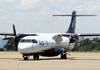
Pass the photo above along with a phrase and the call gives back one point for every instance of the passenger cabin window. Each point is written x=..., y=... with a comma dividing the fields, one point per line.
x=28, y=41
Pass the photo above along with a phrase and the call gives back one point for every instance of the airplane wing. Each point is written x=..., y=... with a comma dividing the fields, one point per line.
x=11, y=34
x=16, y=35
x=27, y=34
x=6, y=34
x=89, y=35
x=81, y=35
x=73, y=37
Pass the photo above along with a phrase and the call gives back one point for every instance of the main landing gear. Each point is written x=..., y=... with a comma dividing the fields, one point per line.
x=63, y=56
x=35, y=57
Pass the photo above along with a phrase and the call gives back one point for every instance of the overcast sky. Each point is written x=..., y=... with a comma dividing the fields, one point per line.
x=35, y=16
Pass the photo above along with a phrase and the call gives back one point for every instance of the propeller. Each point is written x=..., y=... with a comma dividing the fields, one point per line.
x=74, y=38
x=17, y=38
x=14, y=30
x=13, y=38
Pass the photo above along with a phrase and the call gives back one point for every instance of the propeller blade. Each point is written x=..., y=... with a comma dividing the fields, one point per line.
x=14, y=30
x=8, y=38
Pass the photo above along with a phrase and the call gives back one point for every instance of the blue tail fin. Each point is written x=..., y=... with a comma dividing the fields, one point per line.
x=71, y=28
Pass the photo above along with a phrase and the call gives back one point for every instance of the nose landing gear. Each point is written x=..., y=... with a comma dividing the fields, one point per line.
x=25, y=57
x=35, y=57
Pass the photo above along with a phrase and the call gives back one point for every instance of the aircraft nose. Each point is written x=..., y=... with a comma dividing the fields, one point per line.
x=25, y=48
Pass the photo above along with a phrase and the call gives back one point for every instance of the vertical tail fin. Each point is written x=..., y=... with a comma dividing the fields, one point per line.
x=71, y=28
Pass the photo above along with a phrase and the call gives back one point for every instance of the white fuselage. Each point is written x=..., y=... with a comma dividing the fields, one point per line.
x=42, y=42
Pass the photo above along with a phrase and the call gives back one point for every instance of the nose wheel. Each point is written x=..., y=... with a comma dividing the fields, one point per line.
x=63, y=56
x=25, y=57
x=35, y=57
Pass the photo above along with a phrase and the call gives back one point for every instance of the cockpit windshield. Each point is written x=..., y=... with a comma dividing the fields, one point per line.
x=28, y=41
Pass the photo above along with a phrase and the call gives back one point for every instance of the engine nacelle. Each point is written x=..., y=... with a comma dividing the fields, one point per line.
x=74, y=38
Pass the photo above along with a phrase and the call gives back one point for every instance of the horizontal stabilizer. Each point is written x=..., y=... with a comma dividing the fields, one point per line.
x=75, y=15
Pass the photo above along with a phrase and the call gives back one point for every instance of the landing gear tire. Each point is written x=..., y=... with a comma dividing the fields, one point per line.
x=25, y=57
x=36, y=57
x=63, y=56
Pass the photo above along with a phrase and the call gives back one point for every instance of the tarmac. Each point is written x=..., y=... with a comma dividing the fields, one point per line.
x=76, y=61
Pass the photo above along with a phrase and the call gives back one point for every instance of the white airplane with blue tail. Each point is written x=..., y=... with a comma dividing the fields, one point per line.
x=47, y=44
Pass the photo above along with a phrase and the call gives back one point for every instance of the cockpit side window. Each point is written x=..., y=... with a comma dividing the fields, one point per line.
x=22, y=41
x=34, y=41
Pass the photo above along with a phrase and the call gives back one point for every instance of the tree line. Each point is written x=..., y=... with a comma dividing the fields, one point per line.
x=87, y=45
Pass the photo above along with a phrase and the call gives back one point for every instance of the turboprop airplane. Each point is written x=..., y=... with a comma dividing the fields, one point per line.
x=47, y=44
